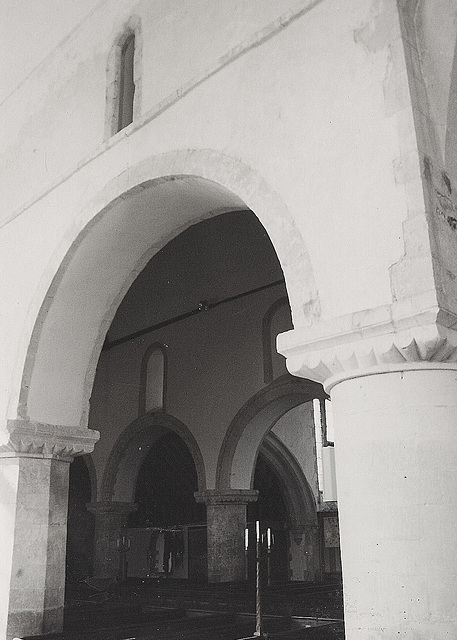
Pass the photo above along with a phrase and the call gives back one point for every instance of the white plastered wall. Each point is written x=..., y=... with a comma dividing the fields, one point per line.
x=288, y=91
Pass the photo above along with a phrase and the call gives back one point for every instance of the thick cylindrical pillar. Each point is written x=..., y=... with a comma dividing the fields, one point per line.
x=226, y=522
x=396, y=456
x=110, y=521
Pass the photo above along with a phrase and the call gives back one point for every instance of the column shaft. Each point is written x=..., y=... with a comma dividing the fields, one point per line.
x=396, y=456
x=226, y=522
x=33, y=530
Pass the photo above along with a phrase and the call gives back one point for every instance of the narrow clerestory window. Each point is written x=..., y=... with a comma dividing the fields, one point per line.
x=153, y=379
x=126, y=83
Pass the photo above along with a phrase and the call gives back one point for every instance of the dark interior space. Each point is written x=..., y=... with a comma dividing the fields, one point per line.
x=165, y=487
x=80, y=536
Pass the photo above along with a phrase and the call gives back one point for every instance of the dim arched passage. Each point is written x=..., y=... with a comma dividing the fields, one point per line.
x=132, y=448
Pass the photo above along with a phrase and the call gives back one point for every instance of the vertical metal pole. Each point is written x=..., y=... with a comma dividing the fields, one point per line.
x=246, y=547
x=258, y=604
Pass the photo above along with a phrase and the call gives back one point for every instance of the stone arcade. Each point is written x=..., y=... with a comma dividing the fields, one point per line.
x=216, y=216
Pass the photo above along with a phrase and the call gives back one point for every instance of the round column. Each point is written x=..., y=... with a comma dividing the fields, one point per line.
x=394, y=400
x=226, y=522
x=396, y=457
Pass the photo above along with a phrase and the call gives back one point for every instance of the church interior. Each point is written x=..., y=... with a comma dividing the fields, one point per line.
x=228, y=319
x=209, y=296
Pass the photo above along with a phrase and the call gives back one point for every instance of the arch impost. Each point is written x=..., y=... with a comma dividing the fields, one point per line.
x=212, y=497
x=423, y=341
x=38, y=440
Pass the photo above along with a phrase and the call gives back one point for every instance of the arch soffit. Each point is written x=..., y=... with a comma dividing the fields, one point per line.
x=450, y=155
x=296, y=490
x=265, y=408
x=436, y=96
x=246, y=188
x=135, y=440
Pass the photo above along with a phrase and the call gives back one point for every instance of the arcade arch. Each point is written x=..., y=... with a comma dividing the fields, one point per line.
x=300, y=502
x=253, y=421
x=133, y=446
x=297, y=524
x=109, y=244
x=101, y=255
x=214, y=351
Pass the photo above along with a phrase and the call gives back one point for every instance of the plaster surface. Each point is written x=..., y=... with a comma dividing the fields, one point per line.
x=330, y=168
x=333, y=122
x=395, y=453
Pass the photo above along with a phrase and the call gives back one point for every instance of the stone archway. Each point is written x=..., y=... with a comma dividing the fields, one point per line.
x=92, y=269
x=235, y=473
x=296, y=490
x=251, y=424
x=94, y=263
x=118, y=483
x=117, y=491
x=304, y=551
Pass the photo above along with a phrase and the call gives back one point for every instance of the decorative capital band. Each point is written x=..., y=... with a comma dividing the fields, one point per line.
x=425, y=340
x=38, y=440
x=213, y=497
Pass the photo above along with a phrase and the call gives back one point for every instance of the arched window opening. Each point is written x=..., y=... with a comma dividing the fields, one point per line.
x=153, y=379
x=126, y=83
x=276, y=320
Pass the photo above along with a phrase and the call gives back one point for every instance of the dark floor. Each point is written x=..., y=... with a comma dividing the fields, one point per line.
x=172, y=610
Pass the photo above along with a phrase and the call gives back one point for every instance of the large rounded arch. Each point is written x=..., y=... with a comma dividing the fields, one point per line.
x=251, y=424
x=106, y=247
x=133, y=446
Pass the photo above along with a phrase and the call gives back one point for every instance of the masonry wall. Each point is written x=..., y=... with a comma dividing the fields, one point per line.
x=216, y=358
x=298, y=92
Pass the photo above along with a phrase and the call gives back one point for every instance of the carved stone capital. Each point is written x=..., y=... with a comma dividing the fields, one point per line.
x=38, y=440
x=213, y=497
x=426, y=340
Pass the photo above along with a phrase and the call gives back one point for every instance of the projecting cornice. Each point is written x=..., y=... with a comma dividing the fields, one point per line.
x=337, y=350
x=38, y=440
